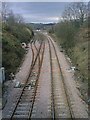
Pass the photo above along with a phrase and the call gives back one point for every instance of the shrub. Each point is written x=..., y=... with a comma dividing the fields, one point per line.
x=12, y=53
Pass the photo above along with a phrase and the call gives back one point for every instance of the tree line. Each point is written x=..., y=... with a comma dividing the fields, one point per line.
x=75, y=16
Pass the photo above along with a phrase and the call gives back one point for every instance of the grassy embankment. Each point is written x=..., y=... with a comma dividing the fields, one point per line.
x=74, y=40
x=12, y=52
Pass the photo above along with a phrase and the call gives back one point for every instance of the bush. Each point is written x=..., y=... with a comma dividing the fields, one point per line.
x=19, y=31
x=66, y=32
x=74, y=39
x=12, y=53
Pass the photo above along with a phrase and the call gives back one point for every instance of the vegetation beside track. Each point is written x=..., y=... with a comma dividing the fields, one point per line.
x=72, y=35
x=14, y=33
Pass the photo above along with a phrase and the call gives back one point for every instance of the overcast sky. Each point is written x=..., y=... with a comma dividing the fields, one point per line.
x=39, y=12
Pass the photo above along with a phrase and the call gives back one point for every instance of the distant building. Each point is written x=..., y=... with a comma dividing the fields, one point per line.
x=2, y=74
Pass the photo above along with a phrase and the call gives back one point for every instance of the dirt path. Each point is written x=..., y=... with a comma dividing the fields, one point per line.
x=22, y=75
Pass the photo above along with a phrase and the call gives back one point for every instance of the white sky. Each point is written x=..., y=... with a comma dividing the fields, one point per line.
x=45, y=0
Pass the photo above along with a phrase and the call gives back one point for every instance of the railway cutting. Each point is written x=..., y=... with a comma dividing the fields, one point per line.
x=45, y=92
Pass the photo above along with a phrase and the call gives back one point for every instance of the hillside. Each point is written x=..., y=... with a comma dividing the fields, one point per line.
x=80, y=59
x=41, y=25
x=80, y=52
x=12, y=51
x=74, y=40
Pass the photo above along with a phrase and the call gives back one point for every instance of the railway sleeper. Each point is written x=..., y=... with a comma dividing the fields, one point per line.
x=8, y=116
x=21, y=112
x=27, y=97
x=28, y=93
x=21, y=116
x=24, y=104
x=26, y=100
x=23, y=108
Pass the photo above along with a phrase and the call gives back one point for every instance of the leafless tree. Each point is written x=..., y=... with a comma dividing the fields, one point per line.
x=5, y=11
x=9, y=16
x=76, y=11
x=19, y=18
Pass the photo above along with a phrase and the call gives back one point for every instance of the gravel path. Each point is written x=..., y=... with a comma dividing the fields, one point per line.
x=22, y=75
x=43, y=97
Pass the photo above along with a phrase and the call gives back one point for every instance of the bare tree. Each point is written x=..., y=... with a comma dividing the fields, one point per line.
x=76, y=11
x=11, y=18
x=8, y=15
x=5, y=11
x=14, y=18
x=19, y=18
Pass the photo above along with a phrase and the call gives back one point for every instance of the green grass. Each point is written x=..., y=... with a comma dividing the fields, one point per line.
x=74, y=40
x=12, y=52
x=80, y=53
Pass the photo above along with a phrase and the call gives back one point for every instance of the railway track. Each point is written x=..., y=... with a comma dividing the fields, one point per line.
x=24, y=104
x=40, y=60
x=42, y=104
x=44, y=94
x=57, y=105
x=60, y=104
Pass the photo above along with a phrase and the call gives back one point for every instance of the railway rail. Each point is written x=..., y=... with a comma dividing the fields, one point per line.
x=60, y=107
x=60, y=103
x=24, y=104
x=66, y=102
x=40, y=60
x=42, y=105
x=57, y=101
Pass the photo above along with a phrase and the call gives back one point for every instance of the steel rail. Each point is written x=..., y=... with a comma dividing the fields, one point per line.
x=68, y=99
x=32, y=65
x=40, y=65
x=52, y=92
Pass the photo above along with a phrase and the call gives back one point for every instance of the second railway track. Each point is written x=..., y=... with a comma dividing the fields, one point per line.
x=60, y=106
x=44, y=94
x=24, y=105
